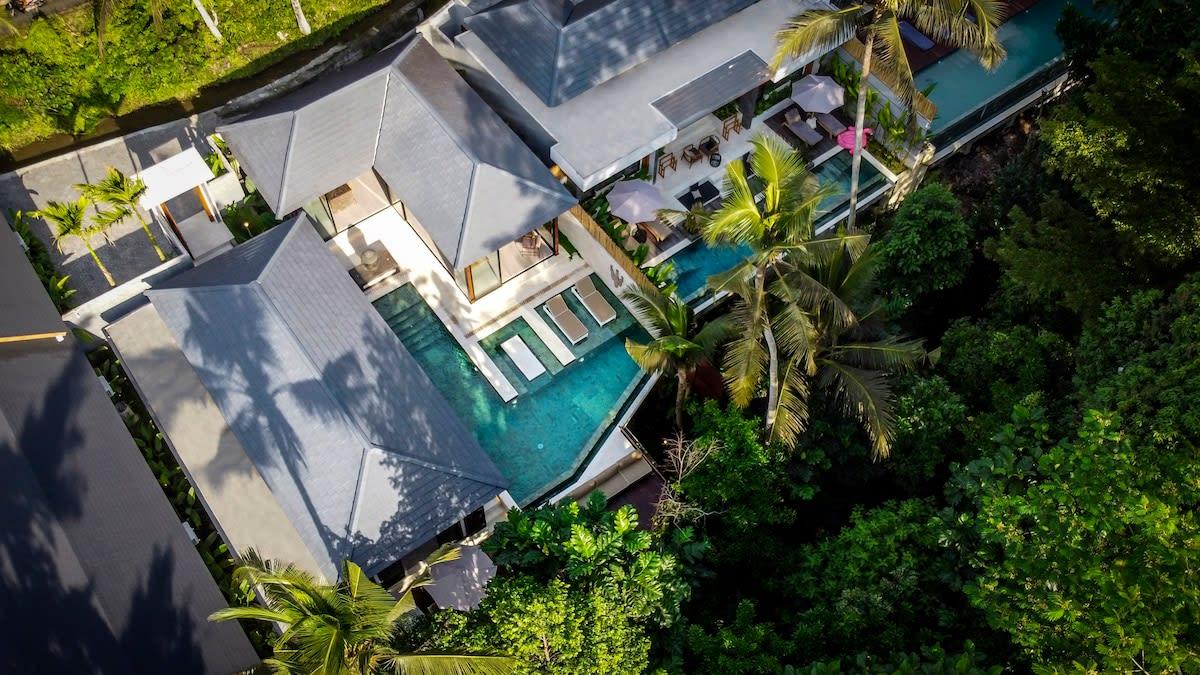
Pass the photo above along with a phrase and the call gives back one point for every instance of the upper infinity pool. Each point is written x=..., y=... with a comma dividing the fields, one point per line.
x=962, y=85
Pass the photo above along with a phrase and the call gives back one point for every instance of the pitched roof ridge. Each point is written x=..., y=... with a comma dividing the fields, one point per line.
x=466, y=217
x=355, y=502
x=287, y=156
x=441, y=468
x=526, y=181
x=295, y=227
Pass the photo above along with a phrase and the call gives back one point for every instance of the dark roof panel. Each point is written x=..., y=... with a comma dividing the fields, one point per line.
x=562, y=48
x=713, y=89
x=102, y=577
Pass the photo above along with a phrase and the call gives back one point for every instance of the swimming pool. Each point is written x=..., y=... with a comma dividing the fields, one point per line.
x=541, y=437
x=962, y=85
x=696, y=263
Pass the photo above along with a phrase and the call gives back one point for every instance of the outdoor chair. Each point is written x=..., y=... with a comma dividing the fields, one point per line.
x=796, y=124
x=656, y=231
x=732, y=124
x=667, y=161
x=832, y=125
x=710, y=146
x=593, y=301
x=692, y=154
x=562, y=316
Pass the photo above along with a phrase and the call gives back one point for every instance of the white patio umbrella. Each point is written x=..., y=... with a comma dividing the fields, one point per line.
x=818, y=93
x=636, y=201
x=460, y=584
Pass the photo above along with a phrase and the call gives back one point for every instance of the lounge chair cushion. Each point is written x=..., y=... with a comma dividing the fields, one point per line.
x=562, y=316
x=831, y=124
x=593, y=301
x=523, y=356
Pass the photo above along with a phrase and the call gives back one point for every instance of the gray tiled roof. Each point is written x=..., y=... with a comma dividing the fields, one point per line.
x=469, y=180
x=562, y=48
x=713, y=89
x=98, y=574
x=356, y=443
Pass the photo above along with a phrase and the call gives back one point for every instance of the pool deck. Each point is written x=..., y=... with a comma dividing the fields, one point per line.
x=468, y=322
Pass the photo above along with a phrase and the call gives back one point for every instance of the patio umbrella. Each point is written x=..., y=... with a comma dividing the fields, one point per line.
x=846, y=138
x=636, y=201
x=818, y=93
x=459, y=584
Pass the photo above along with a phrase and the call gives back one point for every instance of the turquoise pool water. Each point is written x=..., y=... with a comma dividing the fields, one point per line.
x=540, y=438
x=962, y=85
x=696, y=263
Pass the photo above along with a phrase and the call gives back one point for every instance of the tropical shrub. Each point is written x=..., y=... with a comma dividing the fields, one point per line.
x=995, y=367
x=929, y=417
x=891, y=574
x=927, y=246
x=56, y=284
x=1087, y=552
x=1119, y=148
x=579, y=590
x=53, y=78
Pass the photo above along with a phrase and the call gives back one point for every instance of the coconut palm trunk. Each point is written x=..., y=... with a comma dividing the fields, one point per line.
x=150, y=235
x=681, y=394
x=760, y=287
x=860, y=119
x=96, y=259
x=301, y=20
x=208, y=20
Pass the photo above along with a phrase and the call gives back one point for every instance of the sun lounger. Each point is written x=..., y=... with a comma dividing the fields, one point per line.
x=915, y=37
x=519, y=352
x=593, y=302
x=562, y=316
x=799, y=127
x=656, y=230
x=831, y=124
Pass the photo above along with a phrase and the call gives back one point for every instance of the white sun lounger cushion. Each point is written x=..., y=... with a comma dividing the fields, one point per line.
x=593, y=302
x=562, y=316
x=523, y=356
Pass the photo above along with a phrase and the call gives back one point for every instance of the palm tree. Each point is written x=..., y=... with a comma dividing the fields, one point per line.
x=676, y=348
x=347, y=627
x=781, y=224
x=845, y=349
x=122, y=194
x=878, y=22
x=301, y=20
x=70, y=220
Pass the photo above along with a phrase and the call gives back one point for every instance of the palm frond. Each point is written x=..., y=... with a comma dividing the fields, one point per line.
x=444, y=664
x=745, y=360
x=648, y=357
x=791, y=416
x=815, y=30
x=738, y=219
x=946, y=21
x=251, y=613
x=891, y=354
x=889, y=47
x=650, y=308
x=864, y=396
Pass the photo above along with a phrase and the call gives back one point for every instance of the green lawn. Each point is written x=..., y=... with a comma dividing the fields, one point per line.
x=54, y=79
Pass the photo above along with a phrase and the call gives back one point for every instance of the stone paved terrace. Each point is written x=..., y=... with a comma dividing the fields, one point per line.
x=129, y=254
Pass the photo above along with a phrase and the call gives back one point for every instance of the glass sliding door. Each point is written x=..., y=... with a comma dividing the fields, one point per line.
x=514, y=258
